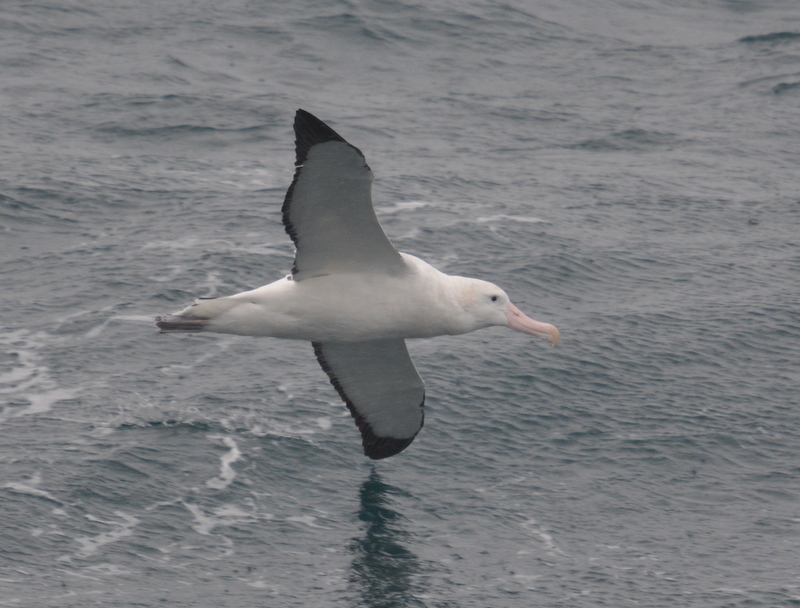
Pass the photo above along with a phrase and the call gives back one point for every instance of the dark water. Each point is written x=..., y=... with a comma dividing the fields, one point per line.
x=625, y=170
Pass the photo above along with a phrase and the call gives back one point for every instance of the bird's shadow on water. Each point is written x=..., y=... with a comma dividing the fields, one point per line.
x=384, y=572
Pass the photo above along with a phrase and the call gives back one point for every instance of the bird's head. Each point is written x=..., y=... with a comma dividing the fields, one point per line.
x=486, y=304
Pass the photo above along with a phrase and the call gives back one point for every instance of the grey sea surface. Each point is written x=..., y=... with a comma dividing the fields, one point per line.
x=625, y=170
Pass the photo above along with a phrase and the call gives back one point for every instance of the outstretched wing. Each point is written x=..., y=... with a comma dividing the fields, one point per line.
x=328, y=209
x=379, y=384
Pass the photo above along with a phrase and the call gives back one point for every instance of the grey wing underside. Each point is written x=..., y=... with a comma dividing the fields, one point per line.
x=328, y=213
x=379, y=384
x=328, y=209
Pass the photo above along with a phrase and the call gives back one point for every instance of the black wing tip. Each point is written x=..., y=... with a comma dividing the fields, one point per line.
x=378, y=448
x=375, y=446
x=310, y=131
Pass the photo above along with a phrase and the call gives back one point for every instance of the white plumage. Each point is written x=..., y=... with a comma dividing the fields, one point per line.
x=354, y=296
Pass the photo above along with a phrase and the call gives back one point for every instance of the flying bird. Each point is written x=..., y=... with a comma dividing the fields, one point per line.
x=354, y=296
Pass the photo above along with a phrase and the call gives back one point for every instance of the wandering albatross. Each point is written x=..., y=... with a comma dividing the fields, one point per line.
x=354, y=296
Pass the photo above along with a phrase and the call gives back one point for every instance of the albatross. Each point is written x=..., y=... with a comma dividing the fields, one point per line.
x=354, y=296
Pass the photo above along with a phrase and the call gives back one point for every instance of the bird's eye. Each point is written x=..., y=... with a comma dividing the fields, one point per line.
x=494, y=298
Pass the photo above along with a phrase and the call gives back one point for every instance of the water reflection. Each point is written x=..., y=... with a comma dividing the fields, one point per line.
x=383, y=570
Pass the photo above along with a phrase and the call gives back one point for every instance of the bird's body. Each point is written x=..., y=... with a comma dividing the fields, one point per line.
x=419, y=303
x=354, y=296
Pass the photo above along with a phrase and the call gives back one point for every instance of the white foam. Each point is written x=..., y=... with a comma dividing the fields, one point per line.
x=30, y=488
x=28, y=379
x=226, y=474
x=307, y=520
x=403, y=206
x=274, y=428
x=96, y=331
x=91, y=544
x=226, y=515
x=109, y=570
x=505, y=217
x=213, y=245
x=172, y=273
x=203, y=524
x=324, y=423
x=220, y=344
x=190, y=242
x=210, y=287
x=43, y=402
x=532, y=527
x=27, y=372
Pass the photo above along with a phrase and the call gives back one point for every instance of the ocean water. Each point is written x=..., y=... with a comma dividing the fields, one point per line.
x=626, y=169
